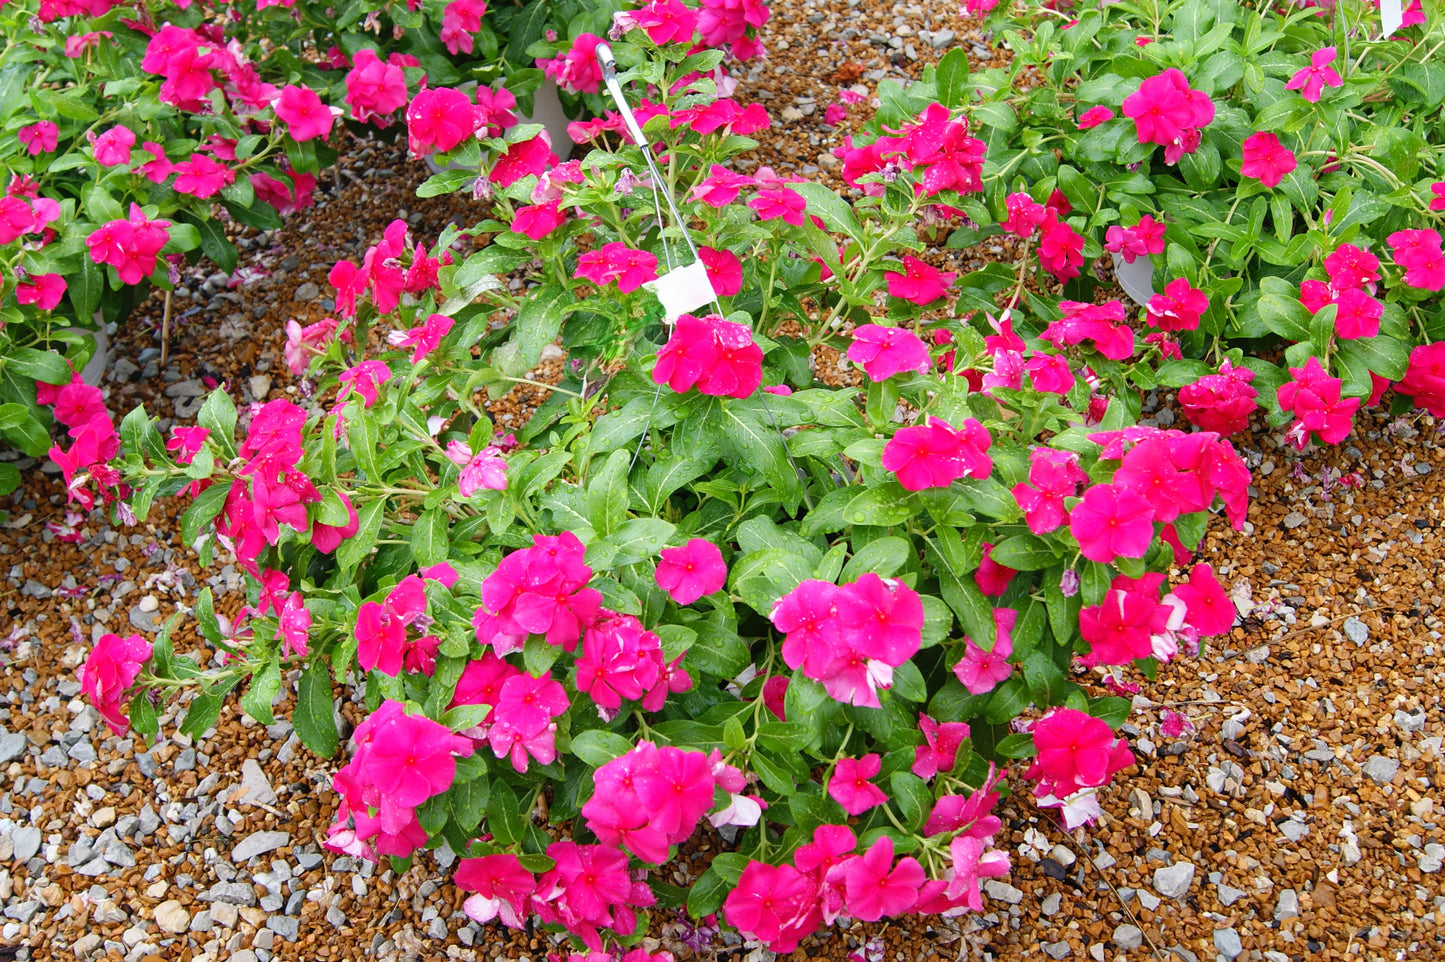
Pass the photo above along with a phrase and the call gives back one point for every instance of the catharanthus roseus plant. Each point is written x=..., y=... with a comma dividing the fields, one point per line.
x=1279, y=169
x=699, y=585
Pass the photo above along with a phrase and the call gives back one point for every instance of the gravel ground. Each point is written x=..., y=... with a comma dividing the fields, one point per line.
x=1299, y=819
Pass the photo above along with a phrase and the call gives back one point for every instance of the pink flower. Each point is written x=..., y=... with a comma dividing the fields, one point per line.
x=1101, y=323
x=1075, y=750
x=616, y=261
x=1314, y=399
x=1095, y=116
x=526, y=158
x=112, y=148
x=374, y=89
x=1050, y=373
x=1209, y=608
x=577, y=70
x=691, y=571
x=1112, y=522
x=1121, y=628
x=305, y=116
x=1053, y=476
x=721, y=187
x=460, y=20
x=717, y=356
x=365, y=379
x=666, y=21
x=971, y=864
x=920, y=283
x=502, y=885
x=1350, y=266
x=438, y=120
x=992, y=578
x=724, y=270
x=874, y=891
x=981, y=671
x=44, y=291
x=1024, y=214
x=424, y=338
x=937, y=454
x=1167, y=112
x=850, y=784
x=1424, y=379
x=39, y=138
x=778, y=905
x=381, y=626
x=1141, y=240
x=294, y=624
x=885, y=351
x=541, y=590
x=1312, y=80
x=779, y=203
x=1419, y=253
x=1220, y=402
x=1357, y=315
x=1179, y=308
x=939, y=750
x=130, y=246
x=485, y=470
x=494, y=111
x=1266, y=159
x=539, y=220
x=522, y=725
x=834, y=114
x=590, y=886
x=202, y=176
x=110, y=669
x=1437, y=202
x=1061, y=248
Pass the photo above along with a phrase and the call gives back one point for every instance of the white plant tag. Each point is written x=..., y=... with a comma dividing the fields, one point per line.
x=682, y=290
x=1392, y=14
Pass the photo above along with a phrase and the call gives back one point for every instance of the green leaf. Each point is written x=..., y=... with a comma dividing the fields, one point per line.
x=1113, y=710
x=597, y=747
x=446, y=182
x=202, y=713
x=44, y=366
x=468, y=803
x=503, y=817
x=203, y=510
x=538, y=656
x=353, y=549
x=1017, y=745
x=607, y=494
x=884, y=557
x=1023, y=552
x=214, y=243
x=144, y=720
x=85, y=288
x=429, y=543
x=540, y=320
x=262, y=691
x=639, y=539
x=218, y=413
x=951, y=78
x=913, y=798
x=708, y=892
x=1284, y=314
x=836, y=213
x=882, y=506
x=752, y=444
x=1007, y=701
x=774, y=775
x=313, y=715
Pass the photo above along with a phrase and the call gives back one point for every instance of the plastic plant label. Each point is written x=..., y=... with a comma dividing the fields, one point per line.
x=682, y=290
x=1392, y=15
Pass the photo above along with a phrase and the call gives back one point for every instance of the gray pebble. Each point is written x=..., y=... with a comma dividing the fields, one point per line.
x=1228, y=895
x=1128, y=937
x=232, y=893
x=259, y=843
x=1357, y=631
x=1294, y=519
x=1173, y=881
x=307, y=292
x=83, y=751
x=1057, y=950
x=1228, y=944
x=53, y=757
x=336, y=917
x=12, y=745
x=1288, y=906
x=23, y=912
x=1381, y=769
x=286, y=927
x=26, y=840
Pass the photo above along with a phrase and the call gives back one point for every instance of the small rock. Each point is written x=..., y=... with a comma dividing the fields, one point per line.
x=1052, y=903
x=286, y=927
x=258, y=787
x=1356, y=630
x=185, y=389
x=1003, y=892
x=1128, y=937
x=1294, y=519
x=259, y=843
x=103, y=817
x=1228, y=944
x=307, y=292
x=172, y=917
x=1412, y=723
x=1228, y=896
x=1432, y=858
x=26, y=839
x=1381, y=769
x=230, y=893
x=1173, y=881
x=12, y=745
x=1057, y=950
x=1288, y=906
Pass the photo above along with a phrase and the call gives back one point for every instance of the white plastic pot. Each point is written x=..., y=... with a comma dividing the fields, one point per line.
x=1137, y=279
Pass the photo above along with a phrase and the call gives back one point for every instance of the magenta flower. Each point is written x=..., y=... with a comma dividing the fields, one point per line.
x=981, y=671
x=617, y=262
x=939, y=750
x=502, y=885
x=1419, y=253
x=540, y=590
x=365, y=379
x=779, y=203
x=1120, y=629
x=110, y=669
x=1209, y=608
x=886, y=615
x=485, y=470
x=1141, y=240
x=1112, y=522
x=294, y=625
x=873, y=890
x=422, y=339
x=776, y=904
x=1266, y=159
x=1101, y=323
x=716, y=355
x=691, y=571
x=1314, y=399
x=991, y=577
x=112, y=148
x=666, y=21
x=1024, y=214
x=721, y=187
x=885, y=351
x=1312, y=80
x=39, y=138
x=1095, y=116
x=305, y=115
x=438, y=120
x=972, y=864
x=523, y=159
x=1424, y=379
x=539, y=220
x=1053, y=476
x=202, y=176
x=326, y=537
x=521, y=724
x=1061, y=248
x=806, y=617
x=920, y=283
x=374, y=89
x=1075, y=750
x=381, y=626
x=935, y=455
x=724, y=270
x=400, y=761
x=1437, y=202
x=576, y=70
x=1167, y=112
x=1220, y=402
x=1179, y=308
x=1357, y=315
x=850, y=784
x=1350, y=266
x=1050, y=373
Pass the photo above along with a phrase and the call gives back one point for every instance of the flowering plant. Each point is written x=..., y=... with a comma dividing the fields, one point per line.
x=1279, y=170
x=699, y=583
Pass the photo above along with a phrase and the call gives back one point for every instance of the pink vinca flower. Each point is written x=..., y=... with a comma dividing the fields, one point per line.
x=1266, y=159
x=691, y=571
x=936, y=454
x=920, y=282
x=110, y=670
x=1112, y=522
x=885, y=351
x=851, y=787
x=305, y=115
x=1167, y=112
x=1312, y=80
